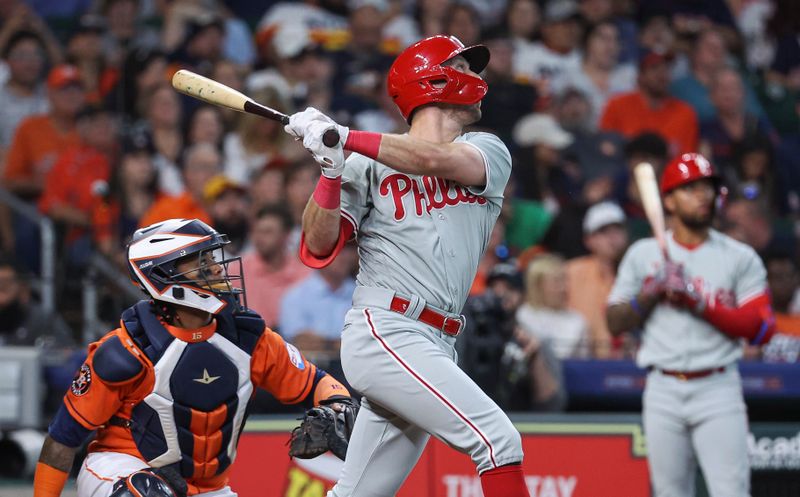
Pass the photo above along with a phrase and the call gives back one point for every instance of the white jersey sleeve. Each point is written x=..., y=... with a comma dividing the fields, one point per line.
x=496, y=160
x=751, y=277
x=355, y=199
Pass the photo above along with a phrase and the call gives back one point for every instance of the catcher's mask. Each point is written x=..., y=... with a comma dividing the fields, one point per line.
x=207, y=279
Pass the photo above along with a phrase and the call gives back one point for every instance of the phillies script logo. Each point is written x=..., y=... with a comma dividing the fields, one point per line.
x=428, y=193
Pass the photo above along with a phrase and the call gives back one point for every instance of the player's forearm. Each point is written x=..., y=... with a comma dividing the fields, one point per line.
x=55, y=461
x=753, y=321
x=407, y=154
x=320, y=228
x=628, y=316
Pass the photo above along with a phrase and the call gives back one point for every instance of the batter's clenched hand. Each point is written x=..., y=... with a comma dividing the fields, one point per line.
x=680, y=291
x=330, y=158
x=300, y=122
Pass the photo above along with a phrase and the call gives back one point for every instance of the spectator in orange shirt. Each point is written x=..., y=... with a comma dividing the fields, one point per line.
x=201, y=163
x=271, y=267
x=78, y=181
x=590, y=278
x=40, y=139
x=651, y=108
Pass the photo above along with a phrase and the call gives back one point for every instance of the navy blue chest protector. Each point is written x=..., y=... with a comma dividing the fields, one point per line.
x=197, y=408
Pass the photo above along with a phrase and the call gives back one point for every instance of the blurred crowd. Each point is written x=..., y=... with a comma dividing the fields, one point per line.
x=93, y=136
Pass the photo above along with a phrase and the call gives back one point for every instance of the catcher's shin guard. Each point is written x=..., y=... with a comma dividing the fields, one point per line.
x=150, y=483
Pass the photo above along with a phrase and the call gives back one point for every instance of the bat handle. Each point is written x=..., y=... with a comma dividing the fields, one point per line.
x=329, y=139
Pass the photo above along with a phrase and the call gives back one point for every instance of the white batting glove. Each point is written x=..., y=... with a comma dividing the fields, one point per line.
x=331, y=159
x=300, y=121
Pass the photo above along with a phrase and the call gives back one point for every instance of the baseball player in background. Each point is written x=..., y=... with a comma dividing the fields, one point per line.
x=422, y=206
x=695, y=309
x=168, y=390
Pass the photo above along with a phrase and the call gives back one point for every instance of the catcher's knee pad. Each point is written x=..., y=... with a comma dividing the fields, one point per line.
x=149, y=483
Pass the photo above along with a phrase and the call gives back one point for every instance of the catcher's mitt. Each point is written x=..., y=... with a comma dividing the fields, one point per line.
x=325, y=427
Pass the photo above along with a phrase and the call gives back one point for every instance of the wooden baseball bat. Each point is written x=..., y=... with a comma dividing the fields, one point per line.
x=216, y=93
x=650, y=196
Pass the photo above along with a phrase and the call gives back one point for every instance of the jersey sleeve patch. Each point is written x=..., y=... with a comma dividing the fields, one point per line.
x=295, y=356
x=82, y=381
x=113, y=363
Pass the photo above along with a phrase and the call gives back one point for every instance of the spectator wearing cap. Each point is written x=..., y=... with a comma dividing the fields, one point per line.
x=271, y=266
x=557, y=53
x=312, y=311
x=201, y=162
x=78, y=181
x=545, y=316
x=301, y=74
x=38, y=141
x=591, y=277
x=539, y=172
x=41, y=138
x=651, y=108
x=709, y=56
x=600, y=75
x=256, y=141
x=229, y=208
x=85, y=51
x=24, y=93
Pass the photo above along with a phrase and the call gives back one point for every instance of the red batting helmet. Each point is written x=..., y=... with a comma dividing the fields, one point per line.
x=413, y=73
x=684, y=169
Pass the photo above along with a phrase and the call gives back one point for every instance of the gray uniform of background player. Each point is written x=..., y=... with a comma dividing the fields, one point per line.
x=405, y=369
x=700, y=420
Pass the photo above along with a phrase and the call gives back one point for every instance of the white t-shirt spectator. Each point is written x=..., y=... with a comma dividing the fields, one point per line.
x=565, y=331
x=537, y=62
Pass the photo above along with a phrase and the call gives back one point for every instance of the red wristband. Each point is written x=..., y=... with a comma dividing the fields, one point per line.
x=365, y=143
x=327, y=194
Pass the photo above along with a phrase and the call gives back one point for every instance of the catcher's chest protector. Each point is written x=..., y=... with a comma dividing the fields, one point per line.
x=196, y=410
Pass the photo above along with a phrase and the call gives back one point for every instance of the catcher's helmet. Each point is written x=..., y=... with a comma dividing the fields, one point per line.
x=684, y=169
x=411, y=77
x=155, y=252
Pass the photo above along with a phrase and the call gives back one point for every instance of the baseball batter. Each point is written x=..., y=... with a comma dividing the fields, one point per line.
x=695, y=310
x=421, y=206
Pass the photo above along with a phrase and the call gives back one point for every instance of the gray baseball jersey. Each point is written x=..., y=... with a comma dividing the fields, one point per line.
x=420, y=235
x=703, y=420
x=722, y=268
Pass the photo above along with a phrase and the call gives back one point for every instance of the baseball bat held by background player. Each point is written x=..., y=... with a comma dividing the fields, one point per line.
x=645, y=178
x=216, y=93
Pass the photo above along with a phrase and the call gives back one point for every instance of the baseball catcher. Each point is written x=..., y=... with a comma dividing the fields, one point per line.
x=324, y=428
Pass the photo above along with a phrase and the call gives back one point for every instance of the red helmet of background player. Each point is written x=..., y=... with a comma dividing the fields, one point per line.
x=684, y=169
x=413, y=74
